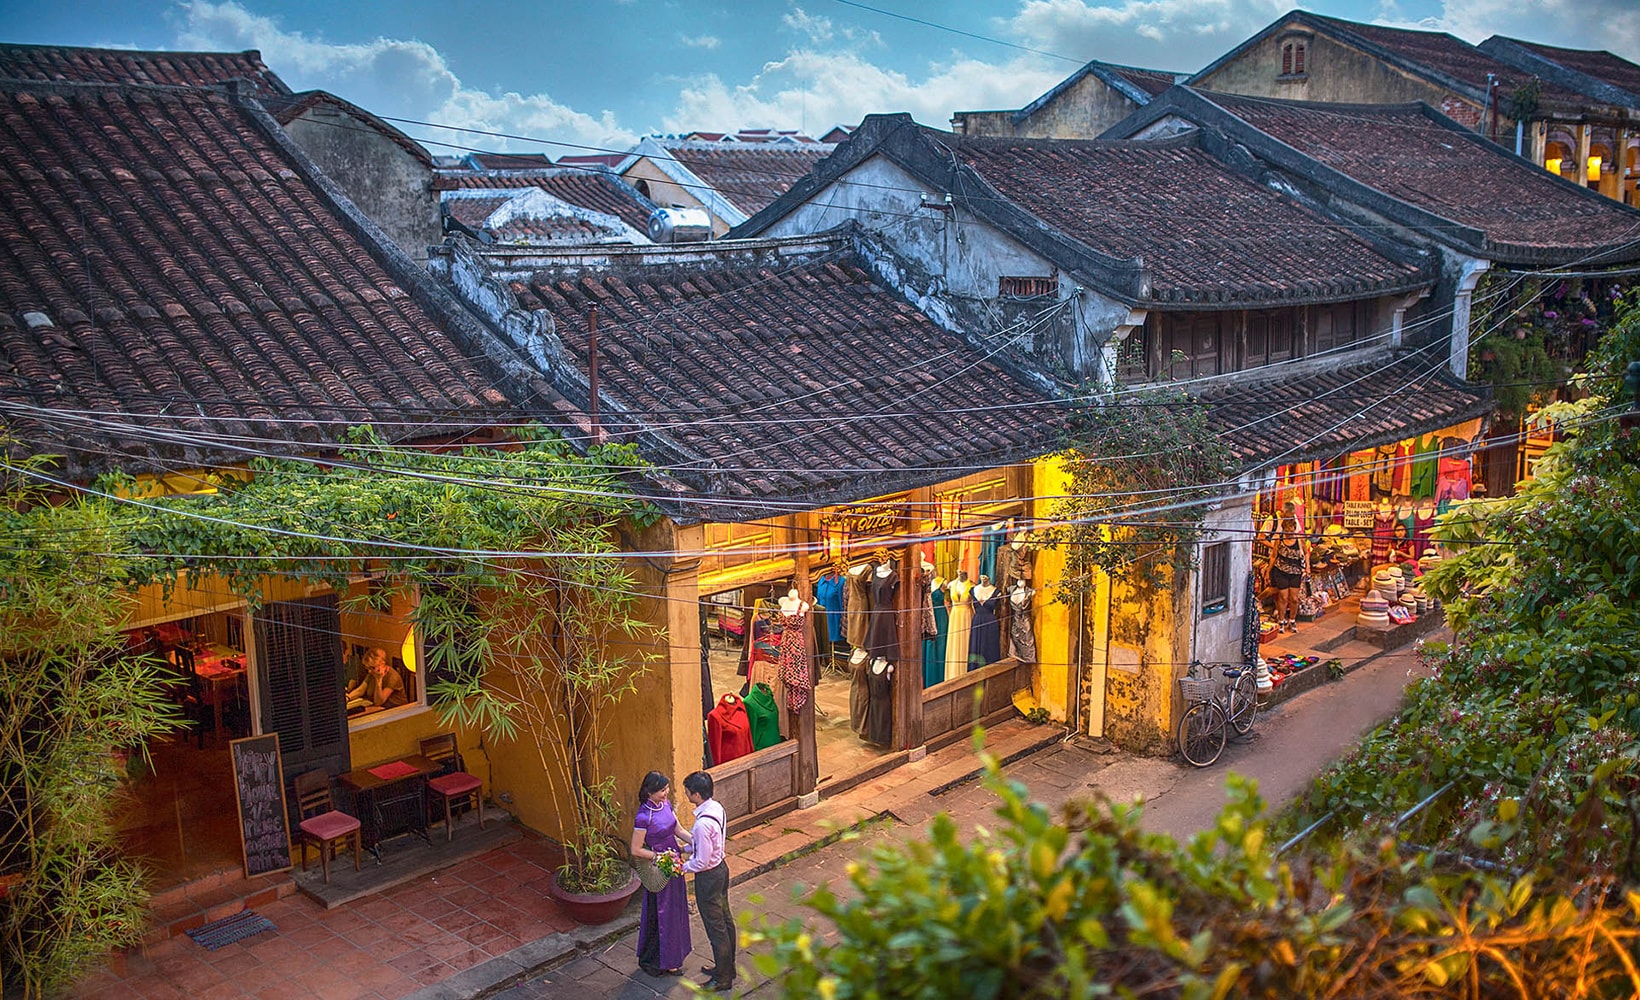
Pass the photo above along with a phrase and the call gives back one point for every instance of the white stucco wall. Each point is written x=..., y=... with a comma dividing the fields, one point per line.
x=1218, y=636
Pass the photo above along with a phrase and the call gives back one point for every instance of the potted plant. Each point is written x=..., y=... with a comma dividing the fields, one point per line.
x=545, y=658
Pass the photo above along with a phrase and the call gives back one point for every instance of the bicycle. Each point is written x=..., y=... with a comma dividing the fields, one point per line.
x=1205, y=726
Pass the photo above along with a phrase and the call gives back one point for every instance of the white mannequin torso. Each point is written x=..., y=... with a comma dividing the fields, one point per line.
x=879, y=665
x=884, y=569
x=983, y=592
x=856, y=571
x=1020, y=594
x=857, y=657
x=791, y=604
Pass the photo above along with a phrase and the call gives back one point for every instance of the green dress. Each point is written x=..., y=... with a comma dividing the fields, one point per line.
x=933, y=646
x=763, y=715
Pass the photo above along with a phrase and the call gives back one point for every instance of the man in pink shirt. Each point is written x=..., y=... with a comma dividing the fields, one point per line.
x=710, y=864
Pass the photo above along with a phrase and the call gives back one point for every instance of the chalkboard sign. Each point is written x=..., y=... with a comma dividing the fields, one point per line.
x=259, y=784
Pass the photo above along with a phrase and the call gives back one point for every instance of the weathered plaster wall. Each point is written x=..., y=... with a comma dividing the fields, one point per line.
x=1218, y=636
x=1055, y=621
x=954, y=261
x=389, y=185
x=1081, y=111
x=1150, y=648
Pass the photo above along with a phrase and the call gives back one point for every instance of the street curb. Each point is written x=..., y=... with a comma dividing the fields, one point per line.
x=547, y=953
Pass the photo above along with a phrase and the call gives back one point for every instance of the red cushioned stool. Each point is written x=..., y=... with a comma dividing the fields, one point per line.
x=453, y=784
x=322, y=824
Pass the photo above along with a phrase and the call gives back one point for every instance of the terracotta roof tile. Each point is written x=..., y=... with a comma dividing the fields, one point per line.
x=750, y=175
x=160, y=254
x=1151, y=81
x=597, y=189
x=1203, y=230
x=792, y=379
x=180, y=69
x=1601, y=65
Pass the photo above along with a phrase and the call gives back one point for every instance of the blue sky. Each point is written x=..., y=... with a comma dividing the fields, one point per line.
x=598, y=73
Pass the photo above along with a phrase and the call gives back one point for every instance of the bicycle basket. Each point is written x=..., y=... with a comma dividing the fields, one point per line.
x=1195, y=689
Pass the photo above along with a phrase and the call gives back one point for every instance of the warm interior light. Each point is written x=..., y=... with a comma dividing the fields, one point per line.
x=407, y=652
x=1594, y=168
x=1552, y=165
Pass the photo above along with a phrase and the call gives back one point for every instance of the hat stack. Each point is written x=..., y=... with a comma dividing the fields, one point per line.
x=1261, y=678
x=1400, y=582
x=1374, y=610
x=1382, y=581
x=1410, y=602
x=1422, y=599
x=1429, y=560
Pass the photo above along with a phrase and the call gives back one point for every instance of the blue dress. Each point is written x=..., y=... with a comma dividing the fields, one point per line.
x=985, y=635
x=828, y=592
x=663, y=929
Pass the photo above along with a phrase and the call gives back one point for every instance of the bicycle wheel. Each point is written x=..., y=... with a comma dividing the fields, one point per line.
x=1202, y=733
x=1243, y=703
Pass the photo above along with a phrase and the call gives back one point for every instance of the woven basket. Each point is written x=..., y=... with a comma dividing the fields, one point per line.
x=1195, y=689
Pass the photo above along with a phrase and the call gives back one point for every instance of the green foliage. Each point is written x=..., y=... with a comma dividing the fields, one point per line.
x=1088, y=905
x=1530, y=336
x=1124, y=458
x=74, y=706
x=1534, y=714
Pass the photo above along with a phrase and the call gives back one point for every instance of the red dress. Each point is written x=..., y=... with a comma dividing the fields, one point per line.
x=794, y=658
x=728, y=730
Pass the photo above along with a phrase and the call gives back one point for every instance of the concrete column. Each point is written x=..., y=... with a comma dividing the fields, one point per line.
x=1539, y=133
x=1583, y=155
x=1613, y=185
x=1468, y=278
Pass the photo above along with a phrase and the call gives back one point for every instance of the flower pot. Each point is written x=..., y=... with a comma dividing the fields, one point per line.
x=593, y=908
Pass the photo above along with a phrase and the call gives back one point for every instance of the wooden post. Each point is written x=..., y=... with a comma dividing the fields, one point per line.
x=808, y=752
x=908, y=670
x=1583, y=155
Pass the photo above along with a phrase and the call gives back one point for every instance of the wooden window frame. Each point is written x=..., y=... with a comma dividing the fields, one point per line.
x=1215, y=577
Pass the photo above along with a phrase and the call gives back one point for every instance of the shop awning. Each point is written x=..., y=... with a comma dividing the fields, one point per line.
x=1322, y=414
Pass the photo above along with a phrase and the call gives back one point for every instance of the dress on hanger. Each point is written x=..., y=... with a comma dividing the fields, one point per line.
x=1383, y=536
x=795, y=664
x=883, y=629
x=764, y=716
x=1423, y=526
x=956, y=632
x=1021, y=638
x=989, y=543
x=828, y=590
x=985, y=632
x=933, y=647
x=859, y=607
x=859, y=697
x=729, y=730
x=880, y=716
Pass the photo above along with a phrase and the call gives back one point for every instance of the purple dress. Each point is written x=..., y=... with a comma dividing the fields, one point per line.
x=663, y=930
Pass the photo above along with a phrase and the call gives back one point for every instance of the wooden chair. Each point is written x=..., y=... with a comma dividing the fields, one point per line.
x=452, y=783
x=322, y=824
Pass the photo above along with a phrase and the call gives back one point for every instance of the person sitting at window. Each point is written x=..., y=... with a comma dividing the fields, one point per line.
x=381, y=687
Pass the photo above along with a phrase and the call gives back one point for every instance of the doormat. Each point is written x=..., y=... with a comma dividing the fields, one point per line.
x=230, y=929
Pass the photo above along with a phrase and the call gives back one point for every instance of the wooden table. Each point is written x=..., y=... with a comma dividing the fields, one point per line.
x=390, y=807
x=214, y=666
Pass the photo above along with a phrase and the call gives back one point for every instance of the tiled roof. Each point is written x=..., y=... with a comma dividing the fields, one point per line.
x=165, y=256
x=181, y=69
x=1203, y=230
x=795, y=376
x=1601, y=65
x=531, y=216
x=288, y=109
x=750, y=175
x=1447, y=55
x=1324, y=413
x=472, y=211
x=596, y=189
x=510, y=161
x=1404, y=152
x=611, y=160
x=1151, y=81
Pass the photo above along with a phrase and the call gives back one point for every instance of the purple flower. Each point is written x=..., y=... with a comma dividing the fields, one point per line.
x=1587, y=322
x=1550, y=314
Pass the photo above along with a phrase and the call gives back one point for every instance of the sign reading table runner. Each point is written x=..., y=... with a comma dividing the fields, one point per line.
x=1359, y=513
x=259, y=787
x=394, y=769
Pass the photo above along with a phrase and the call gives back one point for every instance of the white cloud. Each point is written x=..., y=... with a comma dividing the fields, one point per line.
x=402, y=78
x=1613, y=25
x=817, y=28
x=1179, y=35
x=701, y=41
x=816, y=90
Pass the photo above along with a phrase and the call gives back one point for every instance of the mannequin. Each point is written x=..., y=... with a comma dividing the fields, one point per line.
x=1423, y=524
x=933, y=647
x=1021, y=639
x=956, y=632
x=985, y=638
x=792, y=604
x=859, y=605
x=880, y=716
x=858, y=696
x=883, y=624
x=796, y=659
x=1383, y=532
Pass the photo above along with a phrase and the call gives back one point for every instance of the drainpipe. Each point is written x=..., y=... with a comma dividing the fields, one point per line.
x=1468, y=278
x=1520, y=136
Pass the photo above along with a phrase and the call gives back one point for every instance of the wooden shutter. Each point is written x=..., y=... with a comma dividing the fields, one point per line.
x=299, y=647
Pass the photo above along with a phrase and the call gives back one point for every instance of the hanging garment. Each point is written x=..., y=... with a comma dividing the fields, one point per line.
x=947, y=556
x=859, y=697
x=729, y=730
x=763, y=715
x=1425, y=466
x=1423, y=527
x=880, y=716
x=883, y=628
x=796, y=666
x=1383, y=536
x=956, y=633
x=828, y=590
x=859, y=607
x=990, y=542
x=933, y=647
x=1454, y=482
x=763, y=641
x=985, y=632
x=1021, y=637
x=1403, y=468
x=1383, y=469
x=819, y=641
x=767, y=674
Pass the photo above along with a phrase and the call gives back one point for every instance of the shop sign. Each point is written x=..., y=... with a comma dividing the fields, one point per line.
x=865, y=524
x=1359, y=513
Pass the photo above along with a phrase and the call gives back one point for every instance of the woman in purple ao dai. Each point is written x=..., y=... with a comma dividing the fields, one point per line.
x=663, y=929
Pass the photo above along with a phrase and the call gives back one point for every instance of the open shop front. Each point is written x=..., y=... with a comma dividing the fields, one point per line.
x=1343, y=542
x=837, y=642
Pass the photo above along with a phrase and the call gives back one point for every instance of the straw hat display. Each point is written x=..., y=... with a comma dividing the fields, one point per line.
x=1374, y=609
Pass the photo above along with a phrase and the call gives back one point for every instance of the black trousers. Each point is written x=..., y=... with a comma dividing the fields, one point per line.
x=712, y=900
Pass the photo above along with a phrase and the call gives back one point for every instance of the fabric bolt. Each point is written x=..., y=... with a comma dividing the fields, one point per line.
x=663, y=929
x=883, y=629
x=985, y=632
x=729, y=730
x=859, y=697
x=956, y=633
x=1425, y=466
x=828, y=591
x=859, y=607
x=933, y=647
x=880, y=714
x=1021, y=636
x=762, y=716
x=796, y=665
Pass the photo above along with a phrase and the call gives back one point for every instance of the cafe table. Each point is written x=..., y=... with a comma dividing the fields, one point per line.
x=390, y=798
x=222, y=668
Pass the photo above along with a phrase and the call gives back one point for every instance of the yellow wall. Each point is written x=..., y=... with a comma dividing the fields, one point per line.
x=1144, y=630
x=1055, y=621
x=666, y=192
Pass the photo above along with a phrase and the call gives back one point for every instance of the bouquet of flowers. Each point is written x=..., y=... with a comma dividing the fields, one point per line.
x=670, y=864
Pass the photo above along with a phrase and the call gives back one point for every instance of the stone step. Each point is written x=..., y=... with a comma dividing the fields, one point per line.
x=183, y=908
